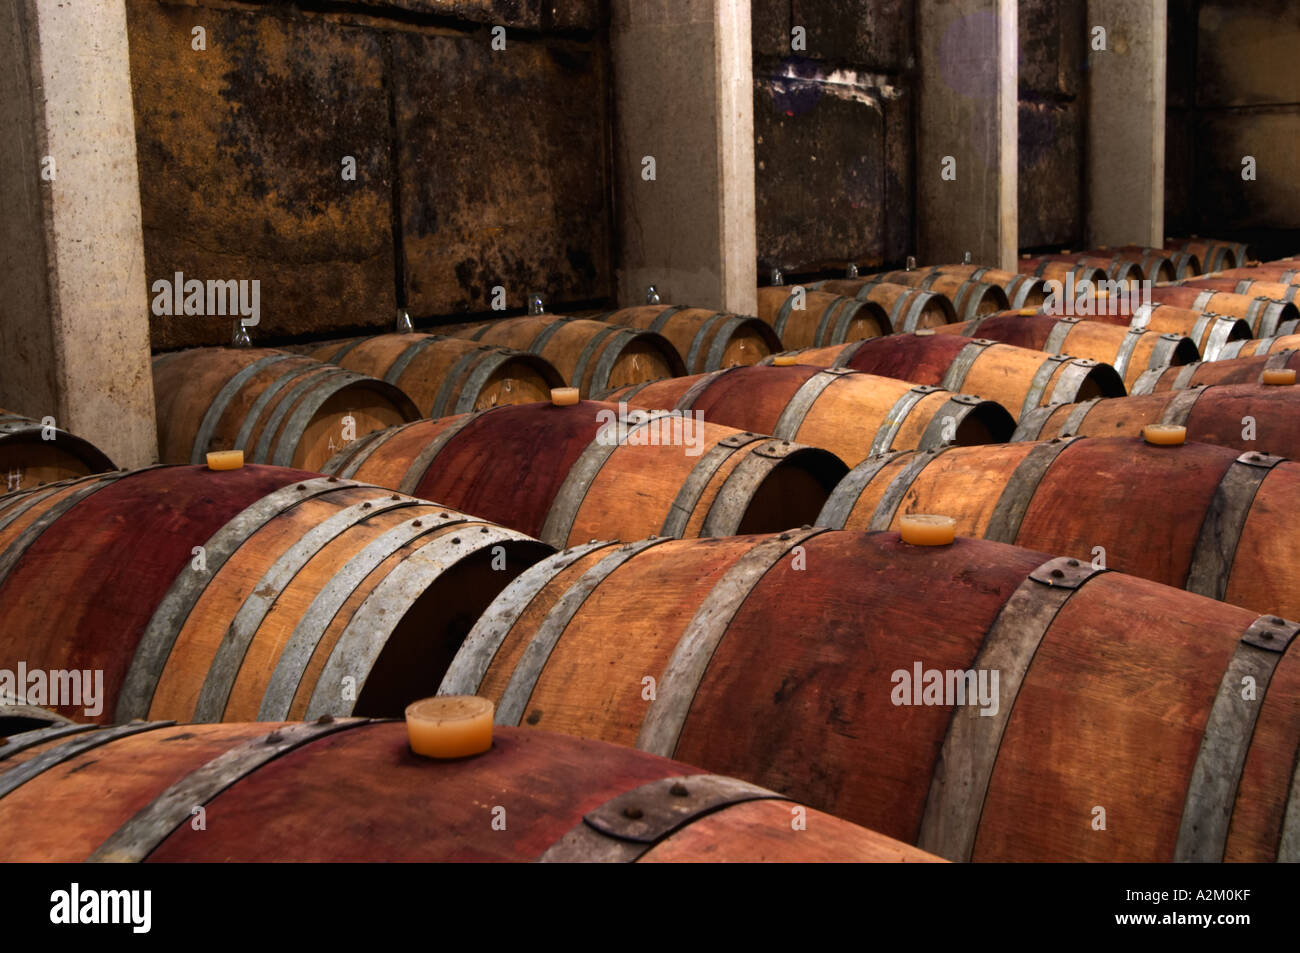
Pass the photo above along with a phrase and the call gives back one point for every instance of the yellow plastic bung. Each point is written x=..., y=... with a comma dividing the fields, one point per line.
x=784, y=360
x=1164, y=435
x=923, y=529
x=449, y=726
x=225, y=460
x=564, y=396
x=1277, y=375
x=1026, y=312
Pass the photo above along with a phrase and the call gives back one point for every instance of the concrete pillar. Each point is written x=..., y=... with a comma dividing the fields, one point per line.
x=1126, y=122
x=683, y=81
x=74, y=320
x=966, y=137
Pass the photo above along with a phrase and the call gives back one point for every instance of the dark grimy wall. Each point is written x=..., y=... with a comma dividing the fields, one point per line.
x=1234, y=92
x=474, y=166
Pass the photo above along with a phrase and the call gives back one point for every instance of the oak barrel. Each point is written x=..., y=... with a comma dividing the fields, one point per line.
x=277, y=407
x=1070, y=271
x=1197, y=516
x=255, y=593
x=805, y=318
x=713, y=651
x=970, y=296
x=1214, y=255
x=707, y=340
x=1130, y=351
x=1018, y=378
x=1211, y=333
x=1251, y=288
x=1265, y=316
x=1023, y=291
x=907, y=308
x=34, y=452
x=1285, y=273
x=851, y=414
x=250, y=792
x=591, y=355
x=447, y=375
x=593, y=469
x=1241, y=370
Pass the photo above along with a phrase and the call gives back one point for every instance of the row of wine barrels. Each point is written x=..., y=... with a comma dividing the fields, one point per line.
x=1130, y=351
x=804, y=318
x=1211, y=333
x=707, y=340
x=591, y=355
x=876, y=700
x=1072, y=270
x=1265, y=316
x=276, y=407
x=1241, y=370
x=1023, y=291
x=33, y=452
x=1252, y=288
x=1239, y=416
x=906, y=308
x=1284, y=273
x=129, y=793
x=1017, y=378
x=1151, y=264
x=1214, y=255
x=1180, y=264
x=592, y=469
x=1253, y=347
x=447, y=375
x=969, y=296
x=1197, y=516
x=851, y=414
x=255, y=593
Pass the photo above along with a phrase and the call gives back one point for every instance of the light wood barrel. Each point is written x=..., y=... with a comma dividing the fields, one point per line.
x=569, y=474
x=814, y=696
x=277, y=407
x=1068, y=270
x=1185, y=264
x=1211, y=333
x=707, y=340
x=1197, y=516
x=1243, y=417
x=591, y=355
x=129, y=793
x=851, y=414
x=238, y=595
x=1214, y=255
x=1264, y=315
x=1250, y=287
x=1023, y=291
x=447, y=375
x=1130, y=351
x=1241, y=370
x=33, y=454
x=1018, y=378
x=823, y=319
x=1284, y=273
x=907, y=308
x=1153, y=264
x=970, y=296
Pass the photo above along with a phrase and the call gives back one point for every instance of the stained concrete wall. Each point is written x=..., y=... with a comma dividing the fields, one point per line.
x=475, y=167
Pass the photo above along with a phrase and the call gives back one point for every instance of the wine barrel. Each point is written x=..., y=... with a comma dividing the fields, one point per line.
x=1023, y=291
x=1184, y=263
x=1211, y=333
x=1198, y=516
x=708, y=340
x=1239, y=416
x=129, y=793
x=1264, y=315
x=851, y=414
x=970, y=296
x=1069, y=270
x=18, y=716
x=255, y=593
x=1018, y=378
x=1214, y=255
x=1251, y=288
x=1256, y=346
x=1284, y=273
x=1130, y=351
x=817, y=702
x=822, y=319
x=1241, y=370
x=447, y=375
x=591, y=355
x=277, y=407
x=567, y=474
x=32, y=454
x=907, y=308
x=1152, y=264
